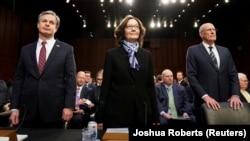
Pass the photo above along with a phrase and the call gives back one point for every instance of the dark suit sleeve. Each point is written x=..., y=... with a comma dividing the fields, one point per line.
x=192, y=72
x=104, y=88
x=162, y=100
x=152, y=91
x=70, y=73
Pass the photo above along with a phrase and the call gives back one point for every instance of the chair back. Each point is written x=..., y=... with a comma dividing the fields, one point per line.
x=226, y=115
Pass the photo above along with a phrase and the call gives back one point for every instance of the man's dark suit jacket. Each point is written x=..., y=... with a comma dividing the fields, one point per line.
x=127, y=95
x=49, y=92
x=205, y=78
x=87, y=93
x=80, y=121
x=180, y=98
x=183, y=83
x=96, y=90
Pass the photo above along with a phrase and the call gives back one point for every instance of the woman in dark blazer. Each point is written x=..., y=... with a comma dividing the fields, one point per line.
x=127, y=95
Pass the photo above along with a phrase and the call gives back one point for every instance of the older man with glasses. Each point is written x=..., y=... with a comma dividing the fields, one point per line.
x=244, y=89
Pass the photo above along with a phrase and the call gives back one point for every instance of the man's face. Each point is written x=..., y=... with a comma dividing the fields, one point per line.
x=47, y=25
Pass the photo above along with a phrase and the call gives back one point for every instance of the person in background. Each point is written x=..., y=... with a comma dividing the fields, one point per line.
x=172, y=100
x=158, y=79
x=4, y=104
x=84, y=106
x=89, y=79
x=214, y=78
x=44, y=83
x=127, y=95
x=244, y=89
x=97, y=88
x=180, y=79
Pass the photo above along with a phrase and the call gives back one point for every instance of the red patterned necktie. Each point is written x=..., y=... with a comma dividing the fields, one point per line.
x=42, y=57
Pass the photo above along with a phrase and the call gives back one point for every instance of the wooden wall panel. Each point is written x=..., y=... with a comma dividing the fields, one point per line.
x=170, y=53
x=9, y=35
x=17, y=30
x=90, y=53
x=166, y=53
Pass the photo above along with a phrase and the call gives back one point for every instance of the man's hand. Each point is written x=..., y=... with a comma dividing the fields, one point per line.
x=67, y=114
x=211, y=103
x=235, y=102
x=14, y=117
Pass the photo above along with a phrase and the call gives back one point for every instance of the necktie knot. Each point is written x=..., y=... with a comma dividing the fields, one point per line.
x=210, y=49
x=43, y=43
x=77, y=90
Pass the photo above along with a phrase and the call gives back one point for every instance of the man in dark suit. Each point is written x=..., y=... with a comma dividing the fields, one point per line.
x=180, y=79
x=84, y=106
x=181, y=103
x=212, y=79
x=97, y=87
x=244, y=87
x=46, y=98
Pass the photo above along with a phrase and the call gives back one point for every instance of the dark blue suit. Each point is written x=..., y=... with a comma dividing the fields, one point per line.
x=205, y=78
x=180, y=98
x=45, y=95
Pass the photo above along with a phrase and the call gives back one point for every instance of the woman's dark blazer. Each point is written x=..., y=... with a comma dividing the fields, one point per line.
x=127, y=96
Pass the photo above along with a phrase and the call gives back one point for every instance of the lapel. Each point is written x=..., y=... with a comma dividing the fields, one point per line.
x=164, y=90
x=140, y=58
x=221, y=55
x=205, y=54
x=33, y=58
x=82, y=94
x=174, y=91
x=121, y=55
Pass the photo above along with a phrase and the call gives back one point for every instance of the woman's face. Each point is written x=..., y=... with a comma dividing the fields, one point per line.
x=132, y=31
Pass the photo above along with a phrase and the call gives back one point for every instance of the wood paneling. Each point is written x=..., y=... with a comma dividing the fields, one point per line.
x=17, y=30
x=166, y=53
x=9, y=35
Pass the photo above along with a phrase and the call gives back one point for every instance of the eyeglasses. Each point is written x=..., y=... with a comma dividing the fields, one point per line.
x=130, y=27
x=246, y=81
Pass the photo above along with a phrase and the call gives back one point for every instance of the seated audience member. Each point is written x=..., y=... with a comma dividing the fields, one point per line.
x=96, y=90
x=98, y=85
x=4, y=103
x=88, y=79
x=84, y=105
x=180, y=79
x=244, y=89
x=172, y=101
